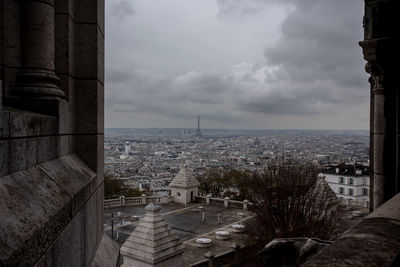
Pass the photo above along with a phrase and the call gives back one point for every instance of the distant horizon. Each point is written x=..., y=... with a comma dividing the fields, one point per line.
x=238, y=129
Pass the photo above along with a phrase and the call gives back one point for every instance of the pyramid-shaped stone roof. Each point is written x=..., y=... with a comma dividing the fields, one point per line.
x=153, y=240
x=184, y=179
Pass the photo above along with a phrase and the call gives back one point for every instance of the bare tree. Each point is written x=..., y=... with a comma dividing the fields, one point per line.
x=292, y=201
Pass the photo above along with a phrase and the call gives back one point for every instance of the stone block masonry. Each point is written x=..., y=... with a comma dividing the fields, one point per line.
x=51, y=134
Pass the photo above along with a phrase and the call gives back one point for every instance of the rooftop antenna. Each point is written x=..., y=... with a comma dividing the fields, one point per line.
x=198, y=133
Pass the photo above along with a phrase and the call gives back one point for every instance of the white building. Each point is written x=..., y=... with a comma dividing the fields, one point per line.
x=350, y=182
x=127, y=148
x=184, y=187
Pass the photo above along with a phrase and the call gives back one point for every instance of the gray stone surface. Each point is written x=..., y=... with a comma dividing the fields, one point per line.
x=51, y=185
x=152, y=242
x=46, y=148
x=4, y=124
x=22, y=154
x=107, y=254
x=3, y=158
x=89, y=109
x=374, y=242
x=43, y=211
x=184, y=179
x=90, y=227
x=86, y=48
x=70, y=173
x=24, y=124
x=389, y=210
x=69, y=247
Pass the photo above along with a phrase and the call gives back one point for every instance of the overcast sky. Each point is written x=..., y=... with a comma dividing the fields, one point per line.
x=239, y=64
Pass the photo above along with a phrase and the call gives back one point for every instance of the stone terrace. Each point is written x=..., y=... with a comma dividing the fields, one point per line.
x=186, y=221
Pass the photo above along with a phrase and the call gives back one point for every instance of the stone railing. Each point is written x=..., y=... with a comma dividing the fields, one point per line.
x=226, y=202
x=355, y=203
x=136, y=201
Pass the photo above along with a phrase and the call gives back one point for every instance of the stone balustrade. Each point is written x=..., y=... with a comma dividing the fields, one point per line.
x=355, y=203
x=136, y=201
x=226, y=202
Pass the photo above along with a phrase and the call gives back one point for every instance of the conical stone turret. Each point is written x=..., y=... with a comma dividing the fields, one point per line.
x=152, y=243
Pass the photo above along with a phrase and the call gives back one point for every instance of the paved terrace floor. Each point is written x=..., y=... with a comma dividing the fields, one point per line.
x=186, y=222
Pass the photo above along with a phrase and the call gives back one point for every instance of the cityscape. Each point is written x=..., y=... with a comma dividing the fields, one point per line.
x=142, y=133
x=150, y=158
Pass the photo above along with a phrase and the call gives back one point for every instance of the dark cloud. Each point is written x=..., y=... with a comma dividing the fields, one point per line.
x=313, y=71
x=320, y=62
x=120, y=9
x=243, y=8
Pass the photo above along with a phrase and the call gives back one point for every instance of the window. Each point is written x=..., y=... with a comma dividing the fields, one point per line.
x=351, y=181
x=178, y=194
x=365, y=192
x=341, y=190
x=350, y=192
x=341, y=180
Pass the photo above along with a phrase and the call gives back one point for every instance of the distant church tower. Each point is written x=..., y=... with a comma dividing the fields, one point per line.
x=198, y=133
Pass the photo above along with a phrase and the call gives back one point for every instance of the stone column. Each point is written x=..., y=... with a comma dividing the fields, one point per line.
x=383, y=119
x=380, y=49
x=37, y=76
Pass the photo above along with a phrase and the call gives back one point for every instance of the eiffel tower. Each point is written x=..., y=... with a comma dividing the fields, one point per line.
x=198, y=133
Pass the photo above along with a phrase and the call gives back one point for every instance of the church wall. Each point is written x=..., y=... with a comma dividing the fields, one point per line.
x=51, y=142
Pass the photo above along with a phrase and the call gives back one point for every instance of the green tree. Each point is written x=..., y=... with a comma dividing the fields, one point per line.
x=213, y=181
x=132, y=192
x=292, y=201
x=112, y=187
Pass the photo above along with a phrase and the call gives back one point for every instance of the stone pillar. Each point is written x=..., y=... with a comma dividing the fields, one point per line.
x=211, y=259
x=208, y=199
x=236, y=248
x=383, y=141
x=144, y=199
x=37, y=76
x=380, y=49
x=245, y=204
x=226, y=202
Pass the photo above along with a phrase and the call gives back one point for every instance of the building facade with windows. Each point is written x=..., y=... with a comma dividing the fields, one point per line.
x=350, y=182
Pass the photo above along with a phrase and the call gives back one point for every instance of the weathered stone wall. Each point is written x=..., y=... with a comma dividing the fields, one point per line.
x=374, y=242
x=51, y=131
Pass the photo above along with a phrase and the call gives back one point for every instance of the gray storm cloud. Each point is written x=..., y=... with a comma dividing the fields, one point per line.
x=120, y=9
x=313, y=69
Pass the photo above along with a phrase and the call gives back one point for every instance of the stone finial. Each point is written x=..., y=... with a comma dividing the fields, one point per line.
x=153, y=207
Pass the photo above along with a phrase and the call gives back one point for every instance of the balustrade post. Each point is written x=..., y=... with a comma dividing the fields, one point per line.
x=208, y=199
x=144, y=199
x=226, y=202
x=211, y=259
x=245, y=204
